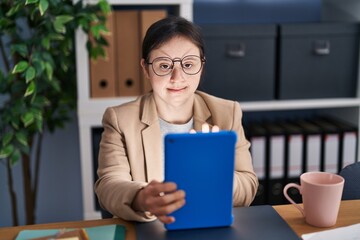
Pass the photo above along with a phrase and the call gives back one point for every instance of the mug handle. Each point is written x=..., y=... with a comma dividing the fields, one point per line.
x=298, y=187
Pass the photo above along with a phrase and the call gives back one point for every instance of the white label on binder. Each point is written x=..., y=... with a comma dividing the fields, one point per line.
x=313, y=153
x=331, y=153
x=277, y=147
x=295, y=155
x=349, y=148
x=258, y=147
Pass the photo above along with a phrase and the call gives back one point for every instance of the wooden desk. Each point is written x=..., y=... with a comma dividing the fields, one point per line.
x=349, y=214
x=10, y=233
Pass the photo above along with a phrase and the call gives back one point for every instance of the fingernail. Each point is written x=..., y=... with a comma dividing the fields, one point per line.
x=205, y=128
x=215, y=129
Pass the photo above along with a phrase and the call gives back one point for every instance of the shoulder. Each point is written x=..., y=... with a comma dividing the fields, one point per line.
x=129, y=107
x=218, y=103
x=129, y=111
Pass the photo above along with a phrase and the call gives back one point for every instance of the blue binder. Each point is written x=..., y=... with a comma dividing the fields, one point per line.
x=202, y=164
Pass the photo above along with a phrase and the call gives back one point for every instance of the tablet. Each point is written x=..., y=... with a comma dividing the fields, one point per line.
x=202, y=164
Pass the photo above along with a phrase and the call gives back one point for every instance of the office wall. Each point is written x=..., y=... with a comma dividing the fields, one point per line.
x=59, y=196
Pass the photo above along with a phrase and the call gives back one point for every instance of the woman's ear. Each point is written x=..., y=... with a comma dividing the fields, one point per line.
x=145, y=68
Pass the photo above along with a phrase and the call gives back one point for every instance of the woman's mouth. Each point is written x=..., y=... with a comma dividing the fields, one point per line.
x=177, y=89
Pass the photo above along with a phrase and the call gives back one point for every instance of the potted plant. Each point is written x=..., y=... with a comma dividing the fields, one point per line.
x=38, y=79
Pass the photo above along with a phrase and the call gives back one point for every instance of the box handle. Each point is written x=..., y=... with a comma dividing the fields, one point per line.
x=235, y=50
x=322, y=47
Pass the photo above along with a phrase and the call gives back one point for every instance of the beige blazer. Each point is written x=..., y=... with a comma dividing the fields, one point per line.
x=130, y=153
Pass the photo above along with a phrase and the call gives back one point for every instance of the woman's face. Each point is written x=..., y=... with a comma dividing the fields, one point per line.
x=177, y=87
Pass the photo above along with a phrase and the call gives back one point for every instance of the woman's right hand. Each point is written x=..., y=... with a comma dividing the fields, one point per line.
x=160, y=199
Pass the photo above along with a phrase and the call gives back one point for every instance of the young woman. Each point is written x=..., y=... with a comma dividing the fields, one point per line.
x=131, y=168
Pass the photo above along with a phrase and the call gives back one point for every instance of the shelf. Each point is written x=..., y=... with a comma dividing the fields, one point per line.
x=186, y=6
x=300, y=104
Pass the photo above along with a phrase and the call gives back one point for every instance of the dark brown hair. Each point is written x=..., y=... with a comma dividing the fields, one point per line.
x=165, y=29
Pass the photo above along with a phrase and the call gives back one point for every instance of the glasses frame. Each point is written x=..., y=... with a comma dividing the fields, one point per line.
x=202, y=60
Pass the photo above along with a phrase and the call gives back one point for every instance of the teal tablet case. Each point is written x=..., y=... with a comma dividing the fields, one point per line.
x=202, y=164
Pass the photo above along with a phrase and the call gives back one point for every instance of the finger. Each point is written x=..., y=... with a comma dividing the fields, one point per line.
x=168, y=208
x=215, y=129
x=166, y=219
x=166, y=187
x=192, y=131
x=155, y=188
x=205, y=128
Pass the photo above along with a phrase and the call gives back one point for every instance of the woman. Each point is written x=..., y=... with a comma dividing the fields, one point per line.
x=130, y=183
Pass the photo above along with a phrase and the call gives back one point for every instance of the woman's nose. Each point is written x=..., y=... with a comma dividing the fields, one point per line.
x=177, y=73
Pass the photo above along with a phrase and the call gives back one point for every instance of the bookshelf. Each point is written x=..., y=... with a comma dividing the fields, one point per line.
x=90, y=110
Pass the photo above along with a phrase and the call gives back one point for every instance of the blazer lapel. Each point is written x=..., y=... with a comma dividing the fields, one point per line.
x=152, y=141
x=202, y=113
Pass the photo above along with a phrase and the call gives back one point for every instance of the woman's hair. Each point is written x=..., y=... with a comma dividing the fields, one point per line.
x=165, y=29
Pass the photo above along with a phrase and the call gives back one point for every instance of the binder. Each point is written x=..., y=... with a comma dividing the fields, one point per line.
x=347, y=141
x=275, y=161
x=102, y=70
x=294, y=144
x=330, y=145
x=312, y=145
x=127, y=52
x=256, y=134
x=293, y=150
x=146, y=18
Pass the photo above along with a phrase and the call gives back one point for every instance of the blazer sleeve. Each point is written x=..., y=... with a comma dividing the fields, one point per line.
x=245, y=179
x=115, y=187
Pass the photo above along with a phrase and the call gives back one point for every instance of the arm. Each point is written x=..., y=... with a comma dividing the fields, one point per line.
x=115, y=187
x=245, y=180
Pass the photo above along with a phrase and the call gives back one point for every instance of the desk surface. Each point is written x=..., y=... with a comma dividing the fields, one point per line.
x=349, y=214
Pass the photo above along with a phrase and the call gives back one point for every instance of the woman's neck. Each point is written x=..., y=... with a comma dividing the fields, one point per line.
x=176, y=114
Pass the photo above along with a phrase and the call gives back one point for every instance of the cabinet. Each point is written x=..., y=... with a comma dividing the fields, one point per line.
x=90, y=110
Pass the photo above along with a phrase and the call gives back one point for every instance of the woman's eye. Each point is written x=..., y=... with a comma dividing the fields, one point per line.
x=187, y=65
x=165, y=66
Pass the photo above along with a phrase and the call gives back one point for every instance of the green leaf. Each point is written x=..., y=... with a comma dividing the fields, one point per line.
x=60, y=21
x=97, y=30
x=30, y=89
x=20, y=67
x=45, y=42
x=15, y=157
x=13, y=10
x=7, y=138
x=41, y=101
x=105, y=6
x=21, y=138
x=56, y=36
x=30, y=74
x=31, y=1
x=20, y=49
x=43, y=6
x=15, y=123
x=49, y=70
x=64, y=18
x=59, y=27
x=27, y=119
x=39, y=124
x=6, y=151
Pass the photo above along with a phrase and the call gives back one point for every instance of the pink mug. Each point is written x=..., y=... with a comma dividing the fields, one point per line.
x=321, y=195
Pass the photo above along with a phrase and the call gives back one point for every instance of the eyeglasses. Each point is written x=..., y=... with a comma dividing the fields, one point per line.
x=190, y=64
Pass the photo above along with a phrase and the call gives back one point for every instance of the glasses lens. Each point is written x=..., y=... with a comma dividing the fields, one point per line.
x=191, y=64
x=162, y=66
